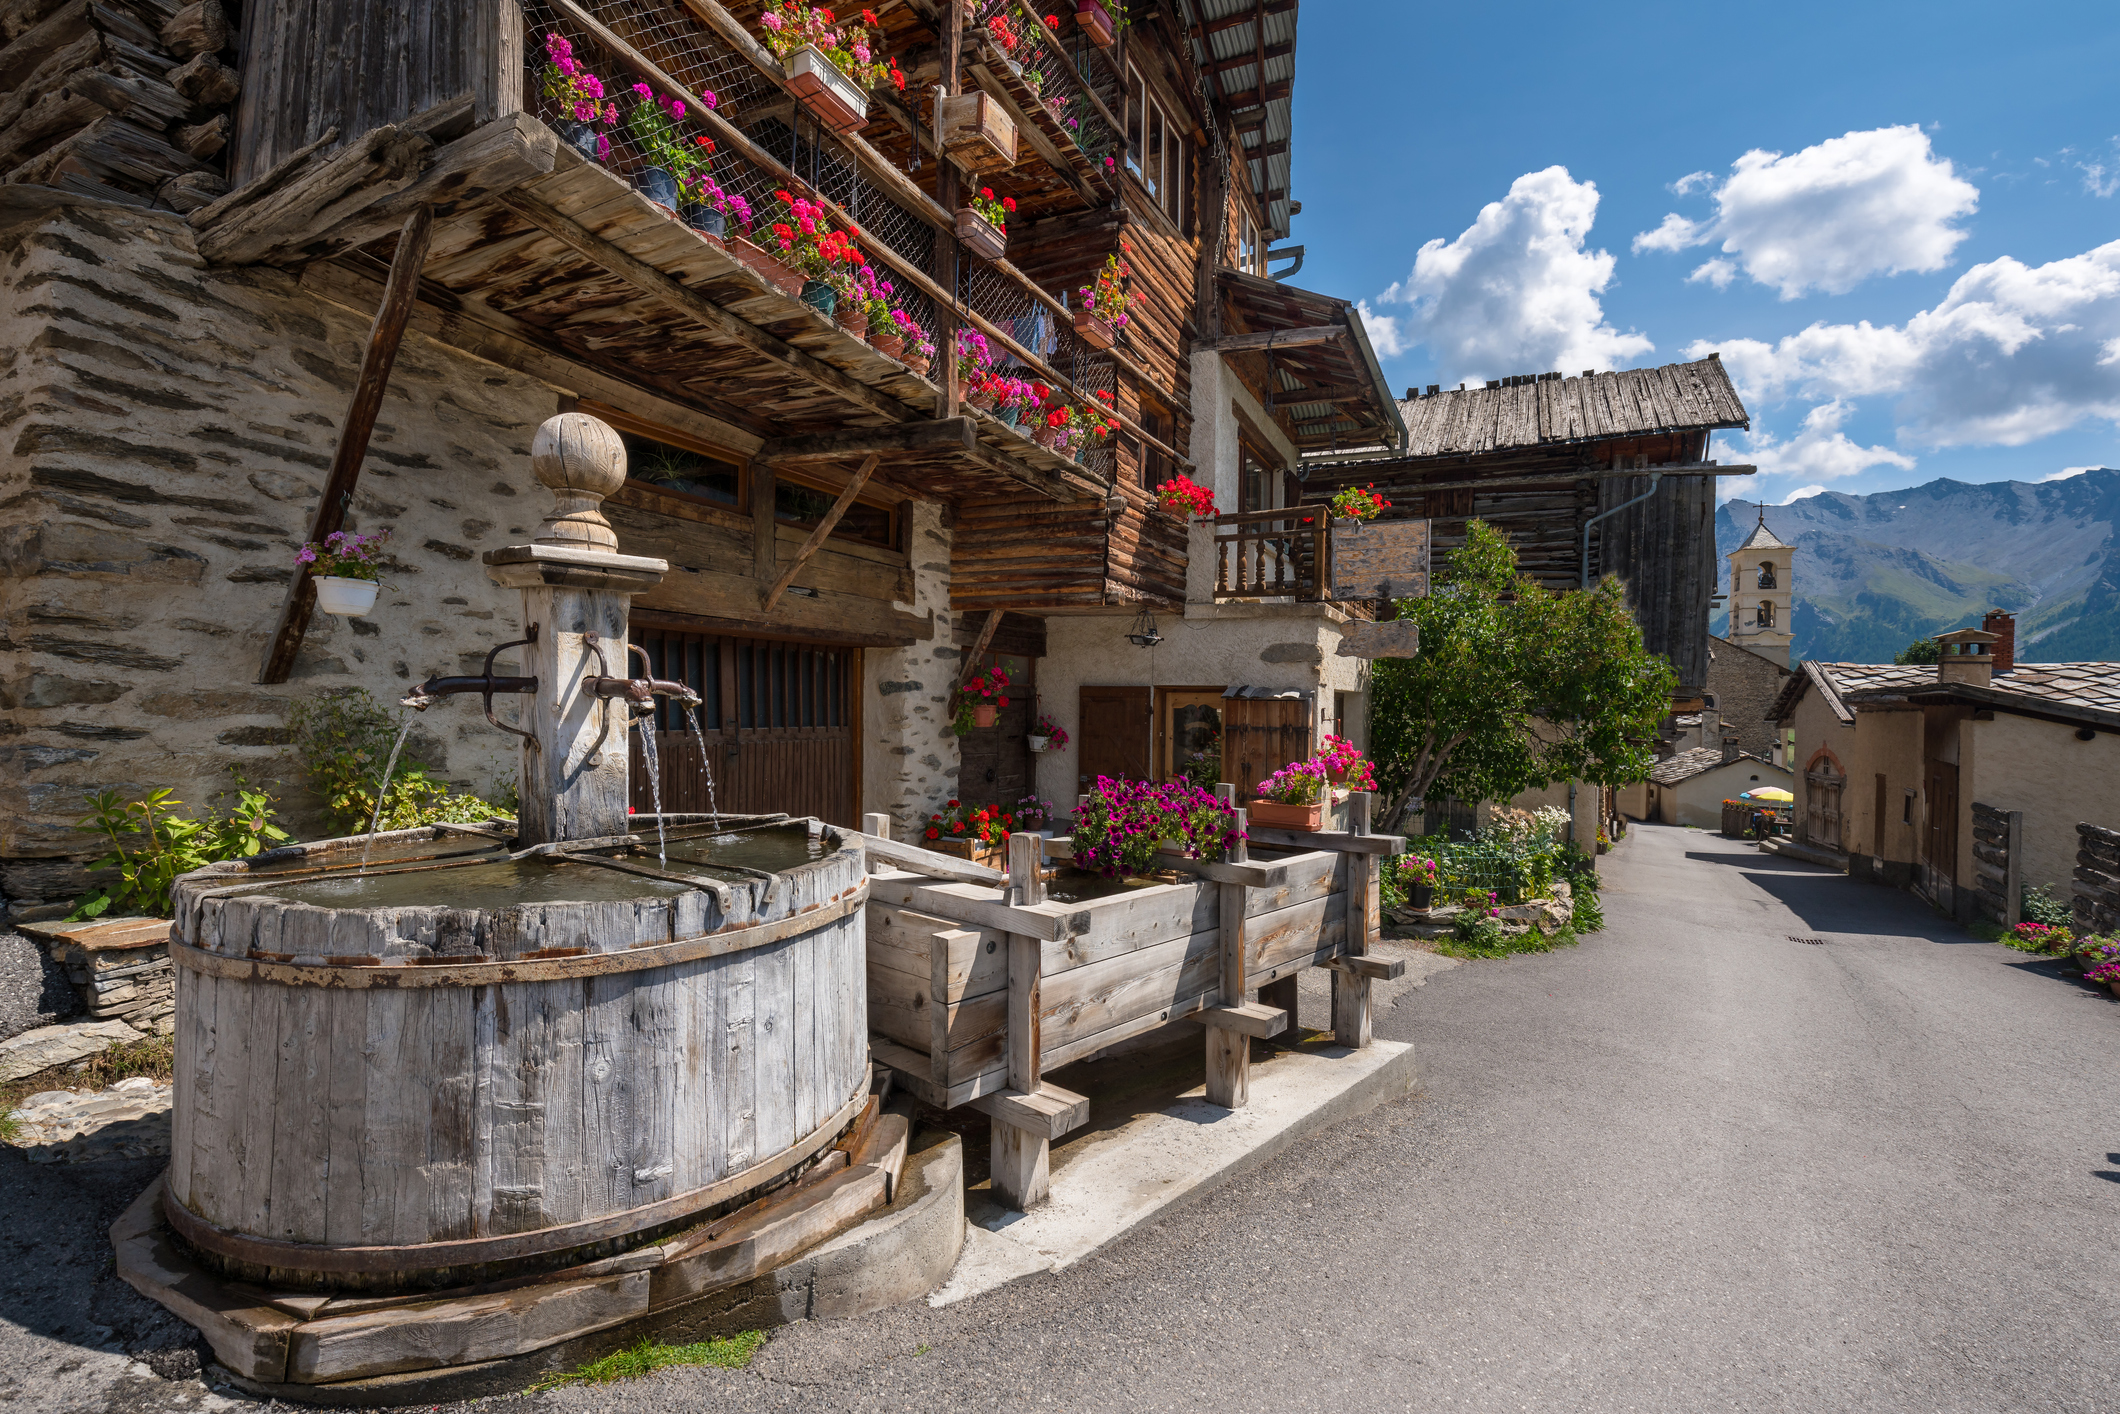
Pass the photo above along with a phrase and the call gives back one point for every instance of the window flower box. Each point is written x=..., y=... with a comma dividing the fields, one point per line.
x=819, y=86
x=1093, y=331
x=985, y=238
x=978, y=132
x=1274, y=815
x=1095, y=21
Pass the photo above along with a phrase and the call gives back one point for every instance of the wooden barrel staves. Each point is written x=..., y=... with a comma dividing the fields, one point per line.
x=417, y=1094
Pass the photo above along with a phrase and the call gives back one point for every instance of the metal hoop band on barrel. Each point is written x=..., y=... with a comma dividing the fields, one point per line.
x=440, y=972
x=426, y=1256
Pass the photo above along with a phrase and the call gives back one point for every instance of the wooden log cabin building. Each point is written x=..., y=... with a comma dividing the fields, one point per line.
x=280, y=267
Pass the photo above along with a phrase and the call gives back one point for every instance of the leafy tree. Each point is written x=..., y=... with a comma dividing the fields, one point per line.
x=1514, y=686
x=1921, y=650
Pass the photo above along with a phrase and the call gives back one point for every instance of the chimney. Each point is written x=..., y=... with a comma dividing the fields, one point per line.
x=1729, y=747
x=1710, y=727
x=1966, y=657
x=2004, y=650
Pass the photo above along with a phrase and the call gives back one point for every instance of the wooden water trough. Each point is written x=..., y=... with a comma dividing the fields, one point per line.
x=979, y=981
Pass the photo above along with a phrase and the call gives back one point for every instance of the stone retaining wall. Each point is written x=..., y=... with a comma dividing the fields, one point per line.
x=1991, y=862
x=2097, y=880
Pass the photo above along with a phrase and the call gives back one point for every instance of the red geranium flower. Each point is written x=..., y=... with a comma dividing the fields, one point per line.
x=986, y=193
x=869, y=17
x=933, y=833
x=953, y=805
x=1008, y=203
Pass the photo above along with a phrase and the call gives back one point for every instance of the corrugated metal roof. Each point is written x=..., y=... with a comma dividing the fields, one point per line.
x=1548, y=409
x=1274, y=37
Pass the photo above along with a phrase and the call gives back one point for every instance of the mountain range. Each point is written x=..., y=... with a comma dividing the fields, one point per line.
x=1873, y=573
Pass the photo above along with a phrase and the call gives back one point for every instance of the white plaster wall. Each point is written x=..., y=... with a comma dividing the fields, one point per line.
x=2020, y=763
x=909, y=756
x=1698, y=801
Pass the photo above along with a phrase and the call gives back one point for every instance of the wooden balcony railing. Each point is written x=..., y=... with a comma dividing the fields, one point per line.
x=1278, y=554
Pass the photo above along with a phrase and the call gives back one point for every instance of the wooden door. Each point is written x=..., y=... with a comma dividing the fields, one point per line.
x=994, y=763
x=779, y=721
x=1822, y=787
x=1260, y=735
x=1939, y=836
x=1116, y=734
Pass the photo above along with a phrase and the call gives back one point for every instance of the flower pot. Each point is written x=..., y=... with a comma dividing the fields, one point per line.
x=709, y=222
x=854, y=319
x=992, y=855
x=919, y=363
x=658, y=185
x=1286, y=817
x=580, y=136
x=771, y=268
x=978, y=132
x=1049, y=437
x=981, y=236
x=985, y=714
x=1009, y=415
x=820, y=297
x=889, y=345
x=821, y=88
x=1094, y=22
x=1093, y=331
x=1038, y=743
x=348, y=598
x=1420, y=897
x=979, y=398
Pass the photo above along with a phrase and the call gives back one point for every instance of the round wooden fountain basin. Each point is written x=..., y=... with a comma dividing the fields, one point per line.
x=535, y=1064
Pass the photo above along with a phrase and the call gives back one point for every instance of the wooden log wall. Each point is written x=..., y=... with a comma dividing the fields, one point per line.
x=124, y=100
x=1664, y=549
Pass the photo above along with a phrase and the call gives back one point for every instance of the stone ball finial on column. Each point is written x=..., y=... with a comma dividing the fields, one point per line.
x=581, y=460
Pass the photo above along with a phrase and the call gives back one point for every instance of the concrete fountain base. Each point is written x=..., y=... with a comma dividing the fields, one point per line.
x=883, y=1227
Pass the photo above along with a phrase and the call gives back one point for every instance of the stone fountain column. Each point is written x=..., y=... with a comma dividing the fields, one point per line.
x=574, y=583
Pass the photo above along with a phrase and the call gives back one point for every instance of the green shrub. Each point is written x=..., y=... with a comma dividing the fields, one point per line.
x=2040, y=906
x=344, y=740
x=1587, y=915
x=151, y=844
x=1477, y=935
x=731, y=1353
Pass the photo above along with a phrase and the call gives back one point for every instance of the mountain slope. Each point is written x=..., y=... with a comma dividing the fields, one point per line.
x=1872, y=573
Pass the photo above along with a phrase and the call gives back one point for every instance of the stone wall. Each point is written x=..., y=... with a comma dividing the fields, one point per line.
x=1991, y=861
x=2097, y=880
x=1744, y=686
x=909, y=756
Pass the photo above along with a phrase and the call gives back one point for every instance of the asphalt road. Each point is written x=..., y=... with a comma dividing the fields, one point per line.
x=1689, y=1165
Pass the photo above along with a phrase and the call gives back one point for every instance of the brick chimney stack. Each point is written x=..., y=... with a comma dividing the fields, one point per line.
x=2004, y=648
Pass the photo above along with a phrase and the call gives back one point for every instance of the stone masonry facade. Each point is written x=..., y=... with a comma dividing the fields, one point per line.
x=165, y=428
x=1744, y=686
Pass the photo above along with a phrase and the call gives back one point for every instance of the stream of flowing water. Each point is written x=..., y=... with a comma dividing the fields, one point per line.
x=647, y=757
x=706, y=772
x=382, y=792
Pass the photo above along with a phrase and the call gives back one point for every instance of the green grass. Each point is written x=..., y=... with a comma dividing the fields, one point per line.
x=1491, y=943
x=731, y=1353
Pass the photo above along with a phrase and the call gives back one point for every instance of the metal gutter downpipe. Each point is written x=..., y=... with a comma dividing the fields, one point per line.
x=1583, y=581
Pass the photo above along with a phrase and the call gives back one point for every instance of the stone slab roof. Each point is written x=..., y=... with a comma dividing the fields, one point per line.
x=1762, y=538
x=2087, y=690
x=1696, y=762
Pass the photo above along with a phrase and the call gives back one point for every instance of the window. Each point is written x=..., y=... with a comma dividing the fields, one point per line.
x=1191, y=736
x=799, y=503
x=1154, y=151
x=1156, y=467
x=1248, y=252
x=687, y=471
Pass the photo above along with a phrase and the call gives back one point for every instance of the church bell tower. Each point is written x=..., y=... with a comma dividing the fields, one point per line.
x=1760, y=571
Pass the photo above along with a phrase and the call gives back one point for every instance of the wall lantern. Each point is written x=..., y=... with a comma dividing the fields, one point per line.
x=1143, y=634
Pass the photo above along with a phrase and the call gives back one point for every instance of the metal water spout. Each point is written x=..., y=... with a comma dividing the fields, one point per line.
x=485, y=684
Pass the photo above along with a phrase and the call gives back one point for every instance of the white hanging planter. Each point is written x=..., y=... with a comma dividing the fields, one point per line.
x=1039, y=743
x=348, y=598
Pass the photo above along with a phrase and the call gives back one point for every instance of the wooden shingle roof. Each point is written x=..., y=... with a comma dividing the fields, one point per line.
x=1550, y=411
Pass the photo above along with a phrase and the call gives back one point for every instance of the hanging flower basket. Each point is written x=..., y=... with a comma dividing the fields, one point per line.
x=348, y=598
x=1095, y=21
x=819, y=86
x=1094, y=331
x=985, y=239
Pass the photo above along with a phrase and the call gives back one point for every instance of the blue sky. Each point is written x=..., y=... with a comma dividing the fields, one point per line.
x=1900, y=224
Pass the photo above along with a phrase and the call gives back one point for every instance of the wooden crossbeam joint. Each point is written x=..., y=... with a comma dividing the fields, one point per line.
x=1249, y=1019
x=1049, y=1112
x=1375, y=968
x=824, y=528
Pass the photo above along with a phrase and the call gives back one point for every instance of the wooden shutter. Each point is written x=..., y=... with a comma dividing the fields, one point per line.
x=1260, y=735
x=1114, y=735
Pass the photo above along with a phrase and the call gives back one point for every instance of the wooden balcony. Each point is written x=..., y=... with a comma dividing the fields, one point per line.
x=1278, y=554
x=1014, y=554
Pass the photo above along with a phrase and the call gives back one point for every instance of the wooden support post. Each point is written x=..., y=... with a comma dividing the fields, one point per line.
x=878, y=824
x=385, y=333
x=2013, y=873
x=1022, y=1160
x=1026, y=869
x=1229, y=1050
x=1350, y=988
x=765, y=533
x=971, y=657
x=824, y=528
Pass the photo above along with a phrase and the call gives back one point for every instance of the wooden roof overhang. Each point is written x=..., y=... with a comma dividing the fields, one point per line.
x=579, y=264
x=1311, y=354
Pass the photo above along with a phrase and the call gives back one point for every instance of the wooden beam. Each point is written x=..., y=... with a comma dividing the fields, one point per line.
x=385, y=334
x=986, y=636
x=1256, y=98
x=1250, y=1019
x=1028, y=129
x=650, y=281
x=1242, y=61
x=1049, y=1113
x=824, y=528
x=914, y=860
x=950, y=434
x=1273, y=338
x=1246, y=17
x=1376, y=969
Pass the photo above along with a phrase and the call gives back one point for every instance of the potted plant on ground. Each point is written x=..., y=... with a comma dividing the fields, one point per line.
x=1104, y=300
x=345, y=570
x=979, y=834
x=581, y=93
x=979, y=701
x=1181, y=497
x=1417, y=875
x=1292, y=798
x=831, y=66
x=1048, y=735
x=1121, y=826
x=1098, y=19
x=982, y=223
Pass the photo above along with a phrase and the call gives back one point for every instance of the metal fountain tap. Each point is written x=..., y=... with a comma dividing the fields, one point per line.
x=485, y=684
x=638, y=693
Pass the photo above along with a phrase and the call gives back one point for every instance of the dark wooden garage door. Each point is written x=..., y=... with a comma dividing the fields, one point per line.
x=779, y=726
x=1115, y=736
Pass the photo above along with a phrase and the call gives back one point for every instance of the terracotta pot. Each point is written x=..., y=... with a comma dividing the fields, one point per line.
x=1094, y=331
x=1094, y=22
x=819, y=86
x=919, y=363
x=889, y=345
x=981, y=236
x=985, y=714
x=770, y=268
x=978, y=398
x=1286, y=817
x=854, y=319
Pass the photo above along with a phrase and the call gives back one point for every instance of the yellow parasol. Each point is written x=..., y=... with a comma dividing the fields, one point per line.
x=1769, y=793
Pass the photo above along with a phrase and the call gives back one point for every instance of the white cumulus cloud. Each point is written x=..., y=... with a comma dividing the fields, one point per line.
x=2013, y=353
x=1517, y=291
x=1800, y=493
x=2066, y=472
x=1828, y=217
x=1820, y=450
x=1385, y=336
